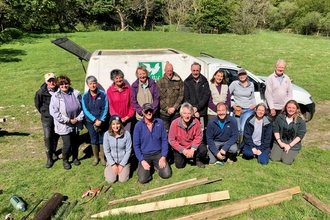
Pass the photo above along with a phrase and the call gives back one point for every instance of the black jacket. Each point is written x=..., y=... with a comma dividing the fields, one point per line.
x=42, y=100
x=198, y=97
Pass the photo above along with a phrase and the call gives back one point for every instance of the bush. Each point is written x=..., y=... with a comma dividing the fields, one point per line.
x=9, y=34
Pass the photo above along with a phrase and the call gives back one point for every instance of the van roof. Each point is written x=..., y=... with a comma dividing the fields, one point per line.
x=137, y=52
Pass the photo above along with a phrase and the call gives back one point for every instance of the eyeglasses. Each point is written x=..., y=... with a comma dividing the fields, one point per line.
x=148, y=111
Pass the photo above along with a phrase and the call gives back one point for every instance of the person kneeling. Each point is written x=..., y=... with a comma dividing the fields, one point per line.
x=185, y=137
x=257, y=136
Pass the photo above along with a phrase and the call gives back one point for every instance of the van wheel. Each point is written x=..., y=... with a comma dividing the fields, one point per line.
x=305, y=112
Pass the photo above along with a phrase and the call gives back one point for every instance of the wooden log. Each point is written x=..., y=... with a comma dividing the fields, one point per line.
x=171, y=203
x=235, y=208
x=317, y=203
x=167, y=186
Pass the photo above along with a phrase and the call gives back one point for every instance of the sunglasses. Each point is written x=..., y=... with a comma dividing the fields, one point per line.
x=148, y=111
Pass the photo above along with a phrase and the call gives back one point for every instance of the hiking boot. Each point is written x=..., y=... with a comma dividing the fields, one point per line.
x=66, y=163
x=200, y=164
x=50, y=162
x=76, y=162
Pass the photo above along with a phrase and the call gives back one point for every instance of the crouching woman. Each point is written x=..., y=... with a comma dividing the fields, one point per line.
x=117, y=144
x=289, y=129
x=257, y=136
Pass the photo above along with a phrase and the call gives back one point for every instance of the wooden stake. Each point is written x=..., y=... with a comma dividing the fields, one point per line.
x=239, y=207
x=165, y=190
x=171, y=185
x=154, y=206
x=317, y=203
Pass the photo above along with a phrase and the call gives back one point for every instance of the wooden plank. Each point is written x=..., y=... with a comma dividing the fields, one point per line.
x=173, y=189
x=171, y=203
x=167, y=186
x=317, y=203
x=164, y=191
x=244, y=205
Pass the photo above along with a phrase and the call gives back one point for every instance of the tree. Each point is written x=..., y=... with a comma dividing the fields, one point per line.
x=324, y=24
x=176, y=11
x=250, y=14
x=308, y=24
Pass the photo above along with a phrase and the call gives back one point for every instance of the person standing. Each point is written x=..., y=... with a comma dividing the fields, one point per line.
x=197, y=93
x=185, y=137
x=221, y=137
x=278, y=89
x=95, y=106
x=65, y=107
x=151, y=146
x=244, y=101
x=289, y=129
x=120, y=99
x=257, y=136
x=42, y=101
x=144, y=90
x=171, y=92
x=117, y=149
x=219, y=92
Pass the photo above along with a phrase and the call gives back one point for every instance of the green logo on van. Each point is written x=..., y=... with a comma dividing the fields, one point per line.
x=154, y=69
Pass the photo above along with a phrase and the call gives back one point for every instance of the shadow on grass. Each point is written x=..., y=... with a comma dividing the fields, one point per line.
x=10, y=55
x=6, y=133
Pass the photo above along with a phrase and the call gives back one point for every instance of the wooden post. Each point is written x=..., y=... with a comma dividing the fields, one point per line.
x=239, y=207
x=171, y=203
x=170, y=185
x=317, y=203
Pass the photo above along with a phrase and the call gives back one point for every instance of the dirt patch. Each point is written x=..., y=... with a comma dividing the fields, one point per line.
x=318, y=129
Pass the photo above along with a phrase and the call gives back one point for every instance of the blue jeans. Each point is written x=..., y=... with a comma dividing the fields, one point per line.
x=263, y=158
x=246, y=112
x=96, y=138
x=144, y=176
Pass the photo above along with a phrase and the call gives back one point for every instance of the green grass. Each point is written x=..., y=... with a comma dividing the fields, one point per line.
x=22, y=160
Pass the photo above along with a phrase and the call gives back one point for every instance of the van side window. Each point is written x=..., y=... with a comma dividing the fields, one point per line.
x=231, y=75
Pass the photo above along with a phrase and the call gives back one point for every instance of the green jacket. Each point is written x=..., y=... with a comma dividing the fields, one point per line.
x=288, y=132
x=171, y=93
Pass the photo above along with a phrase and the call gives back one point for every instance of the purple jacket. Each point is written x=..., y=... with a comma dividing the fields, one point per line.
x=154, y=93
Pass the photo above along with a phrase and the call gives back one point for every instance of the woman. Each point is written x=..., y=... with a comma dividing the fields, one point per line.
x=257, y=136
x=219, y=92
x=145, y=90
x=117, y=149
x=289, y=129
x=95, y=107
x=120, y=98
x=65, y=107
x=244, y=101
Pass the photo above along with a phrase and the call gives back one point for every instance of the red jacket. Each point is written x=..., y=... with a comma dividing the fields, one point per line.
x=181, y=138
x=120, y=103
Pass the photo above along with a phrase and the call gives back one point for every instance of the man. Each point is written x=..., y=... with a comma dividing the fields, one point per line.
x=197, y=93
x=185, y=137
x=171, y=95
x=278, y=89
x=41, y=101
x=151, y=146
x=221, y=136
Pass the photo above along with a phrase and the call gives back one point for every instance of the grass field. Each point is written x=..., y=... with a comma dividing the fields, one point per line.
x=22, y=158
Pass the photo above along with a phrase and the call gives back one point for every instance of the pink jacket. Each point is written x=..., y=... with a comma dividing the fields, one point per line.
x=120, y=103
x=180, y=138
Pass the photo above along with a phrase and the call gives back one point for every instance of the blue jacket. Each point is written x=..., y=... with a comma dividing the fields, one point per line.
x=117, y=150
x=95, y=109
x=146, y=142
x=228, y=134
x=266, y=134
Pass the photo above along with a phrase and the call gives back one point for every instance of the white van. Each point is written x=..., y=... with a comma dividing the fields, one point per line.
x=101, y=62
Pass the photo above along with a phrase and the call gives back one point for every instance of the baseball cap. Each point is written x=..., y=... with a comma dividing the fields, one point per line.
x=241, y=71
x=49, y=76
x=147, y=106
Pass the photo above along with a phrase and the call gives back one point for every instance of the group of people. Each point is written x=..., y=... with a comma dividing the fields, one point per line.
x=188, y=121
